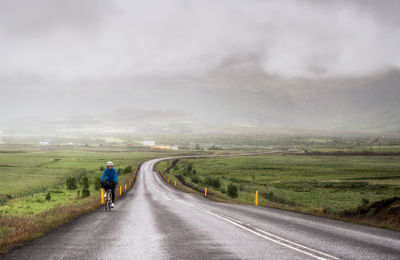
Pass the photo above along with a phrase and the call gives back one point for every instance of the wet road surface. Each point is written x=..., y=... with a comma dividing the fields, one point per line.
x=156, y=221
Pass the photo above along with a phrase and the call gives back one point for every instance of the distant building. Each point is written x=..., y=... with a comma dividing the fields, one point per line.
x=161, y=147
x=149, y=143
x=173, y=147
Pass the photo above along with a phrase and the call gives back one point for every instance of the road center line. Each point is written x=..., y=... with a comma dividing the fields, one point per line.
x=274, y=238
x=296, y=244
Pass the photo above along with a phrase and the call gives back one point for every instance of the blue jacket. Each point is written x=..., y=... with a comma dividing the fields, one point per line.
x=110, y=175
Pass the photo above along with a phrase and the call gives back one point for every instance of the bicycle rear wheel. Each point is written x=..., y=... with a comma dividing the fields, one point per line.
x=109, y=199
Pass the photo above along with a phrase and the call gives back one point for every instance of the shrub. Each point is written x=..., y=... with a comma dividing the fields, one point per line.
x=120, y=171
x=9, y=196
x=71, y=183
x=232, y=190
x=365, y=201
x=371, y=212
x=195, y=179
x=128, y=169
x=189, y=167
x=85, y=181
x=85, y=189
x=48, y=196
x=213, y=182
x=101, y=168
x=96, y=181
x=85, y=192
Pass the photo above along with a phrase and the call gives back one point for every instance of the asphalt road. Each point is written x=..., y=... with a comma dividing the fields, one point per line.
x=156, y=221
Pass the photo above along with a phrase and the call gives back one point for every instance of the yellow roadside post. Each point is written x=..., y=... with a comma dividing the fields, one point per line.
x=102, y=196
x=205, y=192
x=175, y=183
x=120, y=190
x=256, y=200
x=125, y=186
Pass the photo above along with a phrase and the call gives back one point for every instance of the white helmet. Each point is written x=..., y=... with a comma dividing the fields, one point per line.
x=110, y=163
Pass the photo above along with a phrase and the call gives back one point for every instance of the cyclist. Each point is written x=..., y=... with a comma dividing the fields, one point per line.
x=109, y=180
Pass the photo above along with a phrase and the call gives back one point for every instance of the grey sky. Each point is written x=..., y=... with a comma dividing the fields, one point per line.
x=66, y=57
x=93, y=39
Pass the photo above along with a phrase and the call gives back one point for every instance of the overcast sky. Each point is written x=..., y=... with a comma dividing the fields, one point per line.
x=64, y=46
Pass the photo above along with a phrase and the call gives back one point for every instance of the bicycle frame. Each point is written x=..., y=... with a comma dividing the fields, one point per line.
x=107, y=200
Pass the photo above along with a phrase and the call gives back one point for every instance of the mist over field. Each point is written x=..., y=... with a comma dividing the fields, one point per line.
x=196, y=66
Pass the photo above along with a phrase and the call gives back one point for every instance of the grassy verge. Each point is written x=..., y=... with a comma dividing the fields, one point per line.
x=35, y=198
x=345, y=187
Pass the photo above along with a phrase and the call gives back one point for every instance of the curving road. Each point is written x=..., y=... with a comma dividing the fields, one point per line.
x=156, y=221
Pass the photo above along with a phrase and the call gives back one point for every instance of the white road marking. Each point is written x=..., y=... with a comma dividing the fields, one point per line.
x=165, y=196
x=293, y=243
x=274, y=240
x=270, y=236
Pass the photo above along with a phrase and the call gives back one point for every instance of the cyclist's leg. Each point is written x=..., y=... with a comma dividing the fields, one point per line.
x=113, y=193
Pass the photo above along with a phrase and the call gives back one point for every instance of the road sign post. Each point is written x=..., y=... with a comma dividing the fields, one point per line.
x=256, y=199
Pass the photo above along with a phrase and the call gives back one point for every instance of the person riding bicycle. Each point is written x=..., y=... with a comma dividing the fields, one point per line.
x=109, y=180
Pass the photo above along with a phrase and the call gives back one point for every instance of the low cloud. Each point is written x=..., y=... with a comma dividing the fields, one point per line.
x=113, y=39
x=228, y=62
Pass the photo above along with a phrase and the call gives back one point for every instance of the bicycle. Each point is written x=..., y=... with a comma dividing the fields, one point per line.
x=107, y=196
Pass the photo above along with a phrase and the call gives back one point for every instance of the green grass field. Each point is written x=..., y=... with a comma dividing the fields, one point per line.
x=328, y=183
x=29, y=175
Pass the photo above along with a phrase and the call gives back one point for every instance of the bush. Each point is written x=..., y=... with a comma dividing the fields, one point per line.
x=85, y=189
x=213, y=182
x=371, y=212
x=102, y=168
x=48, y=196
x=120, y=171
x=195, y=179
x=96, y=181
x=85, y=181
x=85, y=192
x=128, y=169
x=71, y=183
x=232, y=190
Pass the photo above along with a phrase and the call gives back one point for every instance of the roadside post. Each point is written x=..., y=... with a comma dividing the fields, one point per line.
x=175, y=183
x=125, y=187
x=102, y=196
x=205, y=192
x=120, y=190
x=256, y=200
